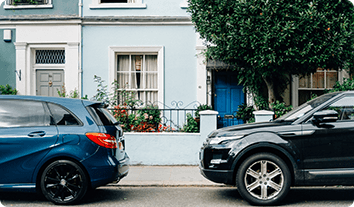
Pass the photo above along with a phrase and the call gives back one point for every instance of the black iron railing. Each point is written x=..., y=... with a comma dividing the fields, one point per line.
x=150, y=118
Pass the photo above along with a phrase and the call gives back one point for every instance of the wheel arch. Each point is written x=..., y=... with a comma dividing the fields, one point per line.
x=267, y=148
x=48, y=162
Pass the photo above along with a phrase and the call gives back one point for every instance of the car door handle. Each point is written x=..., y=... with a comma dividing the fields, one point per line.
x=36, y=134
x=297, y=133
x=290, y=134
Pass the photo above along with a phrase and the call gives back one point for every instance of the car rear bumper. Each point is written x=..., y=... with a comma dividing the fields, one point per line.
x=122, y=168
x=108, y=170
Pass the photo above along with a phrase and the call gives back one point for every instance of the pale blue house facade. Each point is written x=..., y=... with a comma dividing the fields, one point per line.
x=147, y=46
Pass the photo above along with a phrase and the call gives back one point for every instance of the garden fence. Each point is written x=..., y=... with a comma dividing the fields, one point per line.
x=152, y=119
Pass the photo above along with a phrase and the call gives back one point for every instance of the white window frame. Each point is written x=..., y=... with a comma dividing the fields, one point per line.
x=296, y=88
x=324, y=80
x=49, y=5
x=184, y=4
x=96, y=4
x=114, y=51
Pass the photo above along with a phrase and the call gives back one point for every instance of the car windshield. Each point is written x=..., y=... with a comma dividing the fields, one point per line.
x=306, y=107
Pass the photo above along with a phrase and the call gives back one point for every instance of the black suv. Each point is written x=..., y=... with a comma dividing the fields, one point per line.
x=311, y=145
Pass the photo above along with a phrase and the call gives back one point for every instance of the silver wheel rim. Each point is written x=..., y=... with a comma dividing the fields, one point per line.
x=264, y=180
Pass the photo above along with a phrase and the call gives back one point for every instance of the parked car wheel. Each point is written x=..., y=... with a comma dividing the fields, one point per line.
x=263, y=179
x=64, y=182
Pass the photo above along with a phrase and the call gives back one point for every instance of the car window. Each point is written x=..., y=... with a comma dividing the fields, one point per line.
x=101, y=115
x=344, y=107
x=301, y=111
x=109, y=118
x=62, y=116
x=22, y=113
x=307, y=107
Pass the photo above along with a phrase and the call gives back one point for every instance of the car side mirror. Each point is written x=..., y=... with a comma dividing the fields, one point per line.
x=325, y=116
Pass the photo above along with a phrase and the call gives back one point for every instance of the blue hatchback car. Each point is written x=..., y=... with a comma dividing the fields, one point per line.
x=59, y=147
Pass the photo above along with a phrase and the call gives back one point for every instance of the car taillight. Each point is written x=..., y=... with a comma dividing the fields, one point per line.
x=104, y=140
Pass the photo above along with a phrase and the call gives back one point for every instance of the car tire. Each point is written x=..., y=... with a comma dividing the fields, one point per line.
x=63, y=182
x=263, y=179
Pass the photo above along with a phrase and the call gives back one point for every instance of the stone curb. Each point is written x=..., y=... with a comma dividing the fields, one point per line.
x=166, y=185
x=224, y=186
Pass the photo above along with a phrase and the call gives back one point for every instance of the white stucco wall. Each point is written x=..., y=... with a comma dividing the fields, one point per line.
x=169, y=148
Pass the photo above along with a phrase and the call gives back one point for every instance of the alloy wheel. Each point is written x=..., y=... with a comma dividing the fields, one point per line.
x=264, y=180
x=63, y=182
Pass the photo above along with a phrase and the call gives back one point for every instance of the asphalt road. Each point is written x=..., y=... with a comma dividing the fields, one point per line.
x=186, y=197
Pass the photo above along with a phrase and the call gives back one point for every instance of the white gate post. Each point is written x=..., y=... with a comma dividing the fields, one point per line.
x=208, y=122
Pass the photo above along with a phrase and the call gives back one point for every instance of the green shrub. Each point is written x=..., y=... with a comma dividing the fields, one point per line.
x=102, y=91
x=17, y=2
x=280, y=109
x=347, y=85
x=7, y=90
x=202, y=107
x=151, y=116
x=245, y=113
x=72, y=94
x=191, y=125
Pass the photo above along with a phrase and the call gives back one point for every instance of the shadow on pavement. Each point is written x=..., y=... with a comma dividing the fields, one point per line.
x=216, y=195
x=105, y=195
x=92, y=197
x=19, y=197
x=298, y=195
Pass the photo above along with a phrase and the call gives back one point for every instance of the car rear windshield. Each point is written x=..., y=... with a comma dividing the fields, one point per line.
x=101, y=115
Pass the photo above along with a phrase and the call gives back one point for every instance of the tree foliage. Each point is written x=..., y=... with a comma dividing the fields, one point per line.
x=269, y=40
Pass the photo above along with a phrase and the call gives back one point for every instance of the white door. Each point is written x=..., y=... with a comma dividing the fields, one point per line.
x=49, y=82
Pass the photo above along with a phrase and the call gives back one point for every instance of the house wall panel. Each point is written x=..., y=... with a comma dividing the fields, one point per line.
x=179, y=56
x=153, y=8
x=8, y=60
x=60, y=8
x=48, y=33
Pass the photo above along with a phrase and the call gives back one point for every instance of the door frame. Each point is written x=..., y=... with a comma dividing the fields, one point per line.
x=214, y=76
x=25, y=65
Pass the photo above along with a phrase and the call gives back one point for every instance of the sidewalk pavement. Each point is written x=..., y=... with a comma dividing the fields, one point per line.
x=179, y=176
x=165, y=176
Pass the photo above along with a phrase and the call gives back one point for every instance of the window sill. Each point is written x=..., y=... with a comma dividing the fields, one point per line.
x=47, y=6
x=116, y=6
x=184, y=5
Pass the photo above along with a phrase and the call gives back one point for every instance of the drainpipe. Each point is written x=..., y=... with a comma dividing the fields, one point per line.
x=80, y=8
x=80, y=50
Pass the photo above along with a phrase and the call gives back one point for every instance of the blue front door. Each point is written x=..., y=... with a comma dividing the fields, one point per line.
x=228, y=95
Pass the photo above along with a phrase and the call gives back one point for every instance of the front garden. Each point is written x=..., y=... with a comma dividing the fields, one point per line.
x=136, y=116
